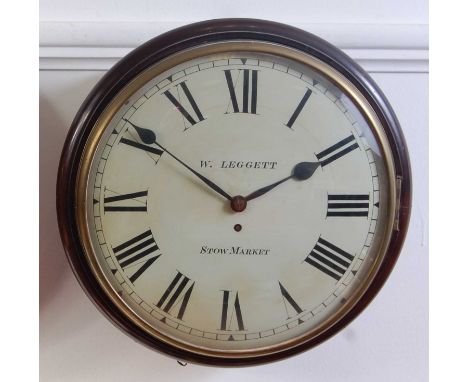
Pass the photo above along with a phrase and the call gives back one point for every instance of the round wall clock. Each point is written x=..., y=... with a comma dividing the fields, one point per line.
x=233, y=192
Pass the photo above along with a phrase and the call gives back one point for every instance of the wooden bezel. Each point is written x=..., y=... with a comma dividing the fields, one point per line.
x=162, y=47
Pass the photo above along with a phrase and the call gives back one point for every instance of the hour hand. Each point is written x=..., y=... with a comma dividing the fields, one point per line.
x=301, y=171
x=149, y=137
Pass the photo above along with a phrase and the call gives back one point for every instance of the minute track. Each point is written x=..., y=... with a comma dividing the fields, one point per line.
x=249, y=335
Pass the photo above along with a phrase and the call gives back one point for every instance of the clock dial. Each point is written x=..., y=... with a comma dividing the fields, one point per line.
x=237, y=201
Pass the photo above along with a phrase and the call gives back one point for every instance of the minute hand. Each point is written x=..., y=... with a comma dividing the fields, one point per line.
x=301, y=171
x=149, y=137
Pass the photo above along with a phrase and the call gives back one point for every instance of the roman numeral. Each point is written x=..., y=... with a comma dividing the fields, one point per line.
x=129, y=253
x=192, y=120
x=247, y=90
x=287, y=298
x=235, y=311
x=336, y=151
x=348, y=205
x=177, y=294
x=299, y=108
x=329, y=259
x=112, y=203
x=141, y=146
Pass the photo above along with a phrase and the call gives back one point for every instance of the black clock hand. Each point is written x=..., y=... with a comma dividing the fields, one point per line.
x=301, y=171
x=149, y=137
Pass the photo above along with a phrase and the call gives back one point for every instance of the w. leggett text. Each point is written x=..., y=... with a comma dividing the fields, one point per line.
x=259, y=165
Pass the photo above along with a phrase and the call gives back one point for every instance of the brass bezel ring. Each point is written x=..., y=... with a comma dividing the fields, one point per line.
x=252, y=46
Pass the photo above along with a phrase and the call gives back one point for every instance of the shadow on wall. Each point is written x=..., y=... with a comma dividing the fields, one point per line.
x=53, y=266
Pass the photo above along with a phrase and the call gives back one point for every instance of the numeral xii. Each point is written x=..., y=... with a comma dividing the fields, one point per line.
x=249, y=90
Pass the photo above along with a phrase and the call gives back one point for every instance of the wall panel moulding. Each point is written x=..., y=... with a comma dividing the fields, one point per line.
x=392, y=48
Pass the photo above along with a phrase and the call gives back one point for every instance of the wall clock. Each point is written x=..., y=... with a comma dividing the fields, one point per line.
x=233, y=192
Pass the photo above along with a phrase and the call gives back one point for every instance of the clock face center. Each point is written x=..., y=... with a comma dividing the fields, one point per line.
x=238, y=203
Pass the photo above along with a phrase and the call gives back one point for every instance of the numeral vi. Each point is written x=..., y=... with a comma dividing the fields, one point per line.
x=231, y=310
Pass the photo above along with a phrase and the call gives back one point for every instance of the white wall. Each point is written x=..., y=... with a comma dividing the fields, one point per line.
x=310, y=11
x=81, y=39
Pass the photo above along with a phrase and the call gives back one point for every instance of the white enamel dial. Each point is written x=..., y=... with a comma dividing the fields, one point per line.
x=174, y=251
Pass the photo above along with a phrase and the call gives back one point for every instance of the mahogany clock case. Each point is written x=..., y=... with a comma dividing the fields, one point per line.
x=160, y=48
